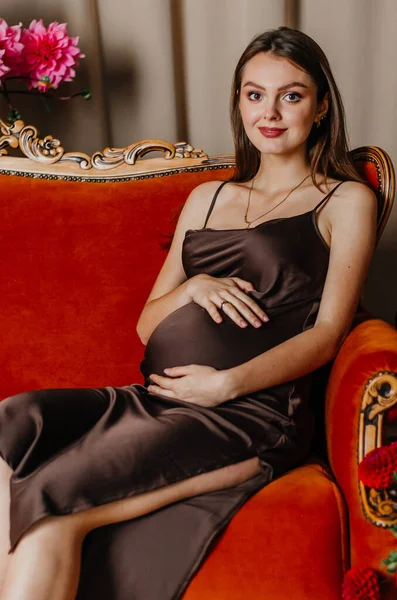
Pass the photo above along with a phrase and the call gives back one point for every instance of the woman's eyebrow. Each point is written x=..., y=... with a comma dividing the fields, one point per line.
x=283, y=87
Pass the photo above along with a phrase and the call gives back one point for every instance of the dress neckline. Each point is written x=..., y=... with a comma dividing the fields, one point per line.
x=311, y=212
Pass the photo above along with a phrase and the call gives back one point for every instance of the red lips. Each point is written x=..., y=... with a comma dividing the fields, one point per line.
x=271, y=131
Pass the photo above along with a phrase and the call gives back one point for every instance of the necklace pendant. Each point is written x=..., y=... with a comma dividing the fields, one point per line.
x=248, y=223
x=268, y=211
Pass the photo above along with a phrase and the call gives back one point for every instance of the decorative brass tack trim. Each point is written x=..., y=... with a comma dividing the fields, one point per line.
x=386, y=180
x=50, y=176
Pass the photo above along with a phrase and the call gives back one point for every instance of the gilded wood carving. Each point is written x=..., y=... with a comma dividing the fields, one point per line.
x=48, y=151
x=380, y=394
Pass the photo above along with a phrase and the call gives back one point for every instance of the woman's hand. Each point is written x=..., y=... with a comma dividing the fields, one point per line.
x=197, y=384
x=228, y=293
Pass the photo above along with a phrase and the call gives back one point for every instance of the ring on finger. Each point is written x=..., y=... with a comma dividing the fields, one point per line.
x=224, y=302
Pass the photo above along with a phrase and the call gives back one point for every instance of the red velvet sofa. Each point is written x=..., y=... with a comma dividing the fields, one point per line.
x=82, y=240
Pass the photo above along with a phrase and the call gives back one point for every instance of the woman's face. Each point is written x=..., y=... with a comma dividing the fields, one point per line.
x=276, y=94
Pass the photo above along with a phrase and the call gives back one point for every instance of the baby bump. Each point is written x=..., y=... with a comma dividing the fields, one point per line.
x=190, y=336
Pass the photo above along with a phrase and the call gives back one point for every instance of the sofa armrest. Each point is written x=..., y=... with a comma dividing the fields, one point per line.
x=361, y=392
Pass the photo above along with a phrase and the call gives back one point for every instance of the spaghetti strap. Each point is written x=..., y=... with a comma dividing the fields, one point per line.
x=213, y=202
x=327, y=196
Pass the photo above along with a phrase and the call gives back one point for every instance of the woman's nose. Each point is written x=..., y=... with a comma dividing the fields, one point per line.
x=270, y=110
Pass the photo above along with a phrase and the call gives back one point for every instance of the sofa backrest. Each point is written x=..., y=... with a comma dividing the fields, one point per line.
x=82, y=242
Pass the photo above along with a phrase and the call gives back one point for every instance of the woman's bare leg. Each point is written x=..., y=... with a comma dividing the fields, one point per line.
x=46, y=561
x=5, y=474
x=142, y=504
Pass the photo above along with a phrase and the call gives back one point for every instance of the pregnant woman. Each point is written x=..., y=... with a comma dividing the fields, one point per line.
x=260, y=287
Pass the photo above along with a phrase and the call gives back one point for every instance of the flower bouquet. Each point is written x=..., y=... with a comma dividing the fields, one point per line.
x=378, y=470
x=40, y=57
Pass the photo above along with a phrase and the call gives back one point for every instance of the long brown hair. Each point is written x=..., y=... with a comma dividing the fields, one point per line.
x=327, y=148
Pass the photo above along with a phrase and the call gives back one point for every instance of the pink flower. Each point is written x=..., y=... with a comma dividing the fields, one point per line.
x=49, y=55
x=10, y=48
x=3, y=68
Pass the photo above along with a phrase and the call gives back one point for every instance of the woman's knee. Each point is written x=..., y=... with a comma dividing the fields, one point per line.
x=18, y=405
x=60, y=532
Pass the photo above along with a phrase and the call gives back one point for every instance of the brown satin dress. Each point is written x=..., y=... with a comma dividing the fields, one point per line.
x=72, y=449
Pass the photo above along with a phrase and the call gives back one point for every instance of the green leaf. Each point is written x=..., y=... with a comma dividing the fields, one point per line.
x=393, y=529
x=392, y=567
x=86, y=93
x=391, y=559
x=13, y=115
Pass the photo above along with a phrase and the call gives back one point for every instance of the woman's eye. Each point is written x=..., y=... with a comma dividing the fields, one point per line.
x=255, y=96
x=251, y=94
x=297, y=96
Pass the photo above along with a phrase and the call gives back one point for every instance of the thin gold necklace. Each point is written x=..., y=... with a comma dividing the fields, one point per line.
x=283, y=200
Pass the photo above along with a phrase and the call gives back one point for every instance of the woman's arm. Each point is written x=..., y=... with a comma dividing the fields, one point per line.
x=352, y=219
x=169, y=290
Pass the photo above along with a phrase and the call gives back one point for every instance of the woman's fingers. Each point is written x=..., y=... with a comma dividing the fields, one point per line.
x=230, y=296
x=230, y=310
x=164, y=386
x=246, y=287
x=164, y=382
x=178, y=371
x=242, y=311
x=236, y=308
x=255, y=310
x=155, y=389
x=243, y=284
x=212, y=310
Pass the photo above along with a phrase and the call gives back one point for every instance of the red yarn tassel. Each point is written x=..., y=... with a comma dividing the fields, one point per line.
x=361, y=584
x=377, y=468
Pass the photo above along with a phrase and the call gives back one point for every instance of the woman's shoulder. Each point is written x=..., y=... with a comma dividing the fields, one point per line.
x=355, y=194
x=205, y=190
x=356, y=188
x=197, y=204
x=348, y=192
x=201, y=196
x=208, y=186
x=353, y=203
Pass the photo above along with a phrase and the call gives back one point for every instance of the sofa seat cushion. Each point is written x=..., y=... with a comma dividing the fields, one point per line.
x=255, y=556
